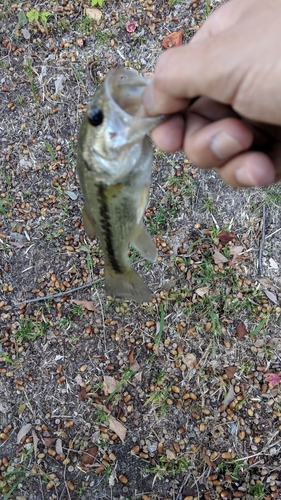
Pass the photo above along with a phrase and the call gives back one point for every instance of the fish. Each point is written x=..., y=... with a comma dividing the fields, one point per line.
x=114, y=163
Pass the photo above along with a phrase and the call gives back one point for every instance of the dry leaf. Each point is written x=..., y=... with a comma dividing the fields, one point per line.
x=266, y=282
x=88, y=304
x=189, y=359
x=131, y=356
x=49, y=441
x=273, y=264
x=78, y=379
x=114, y=425
x=271, y=297
x=240, y=331
x=229, y=397
x=202, y=291
x=236, y=250
x=59, y=84
x=59, y=446
x=131, y=26
x=207, y=460
x=35, y=442
x=82, y=395
x=117, y=427
x=135, y=366
x=23, y=431
x=173, y=40
x=219, y=258
x=226, y=237
x=94, y=13
x=109, y=384
x=229, y=371
x=89, y=456
x=171, y=455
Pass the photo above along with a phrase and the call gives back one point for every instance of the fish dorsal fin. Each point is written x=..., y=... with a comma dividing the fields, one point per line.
x=144, y=244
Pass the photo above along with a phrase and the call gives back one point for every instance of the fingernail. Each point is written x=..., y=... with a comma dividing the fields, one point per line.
x=224, y=146
x=256, y=176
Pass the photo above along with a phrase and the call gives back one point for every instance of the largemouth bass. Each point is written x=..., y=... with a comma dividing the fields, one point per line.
x=114, y=167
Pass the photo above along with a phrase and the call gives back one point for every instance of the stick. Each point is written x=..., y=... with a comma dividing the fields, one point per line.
x=260, y=271
x=49, y=297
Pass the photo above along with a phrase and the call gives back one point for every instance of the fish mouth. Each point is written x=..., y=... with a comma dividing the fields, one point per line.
x=126, y=113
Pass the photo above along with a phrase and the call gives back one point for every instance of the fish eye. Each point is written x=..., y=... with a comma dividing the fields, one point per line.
x=95, y=117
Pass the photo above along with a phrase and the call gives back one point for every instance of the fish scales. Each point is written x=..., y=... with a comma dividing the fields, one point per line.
x=114, y=167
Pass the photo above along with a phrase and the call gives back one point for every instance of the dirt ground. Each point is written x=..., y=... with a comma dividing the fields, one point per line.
x=101, y=399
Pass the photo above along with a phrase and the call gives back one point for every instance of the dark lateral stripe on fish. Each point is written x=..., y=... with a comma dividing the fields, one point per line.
x=106, y=228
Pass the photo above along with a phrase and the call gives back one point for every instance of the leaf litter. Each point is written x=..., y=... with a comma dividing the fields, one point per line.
x=161, y=417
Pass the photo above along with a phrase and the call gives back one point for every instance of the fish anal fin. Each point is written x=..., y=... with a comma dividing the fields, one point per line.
x=126, y=285
x=144, y=244
x=89, y=224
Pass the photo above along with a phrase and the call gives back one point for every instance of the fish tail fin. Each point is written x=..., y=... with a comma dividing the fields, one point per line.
x=126, y=285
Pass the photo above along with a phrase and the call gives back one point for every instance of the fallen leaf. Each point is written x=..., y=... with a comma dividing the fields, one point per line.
x=73, y=196
x=23, y=431
x=271, y=297
x=135, y=366
x=35, y=442
x=59, y=446
x=25, y=33
x=59, y=84
x=131, y=356
x=266, y=282
x=189, y=359
x=78, y=379
x=229, y=397
x=131, y=26
x=219, y=258
x=117, y=427
x=173, y=40
x=236, y=250
x=88, y=304
x=202, y=291
x=114, y=425
x=82, y=395
x=240, y=331
x=226, y=237
x=171, y=455
x=273, y=378
x=89, y=456
x=273, y=264
x=94, y=13
x=109, y=384
x=49, y=441
x=229, y=371
x=207, y=460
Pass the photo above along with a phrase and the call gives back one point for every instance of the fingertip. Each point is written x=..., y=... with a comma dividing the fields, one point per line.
x=169, y=135
x=250, y=169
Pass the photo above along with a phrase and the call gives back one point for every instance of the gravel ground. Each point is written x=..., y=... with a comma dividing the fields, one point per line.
x=101, y=399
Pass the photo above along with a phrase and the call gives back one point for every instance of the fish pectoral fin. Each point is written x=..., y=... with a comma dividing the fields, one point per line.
x=144, y=244
x=126, y=285
x=89, y=224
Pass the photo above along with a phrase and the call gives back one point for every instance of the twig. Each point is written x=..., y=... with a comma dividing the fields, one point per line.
x=67, y=292
x=274, y=232
x=260, y=271
x=49, y=297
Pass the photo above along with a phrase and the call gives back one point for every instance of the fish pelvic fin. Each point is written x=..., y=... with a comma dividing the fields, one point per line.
x=126, y=285
x=88, y=224
x=144, y=244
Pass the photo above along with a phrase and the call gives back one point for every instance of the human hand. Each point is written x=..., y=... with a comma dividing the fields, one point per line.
x=232, y=67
